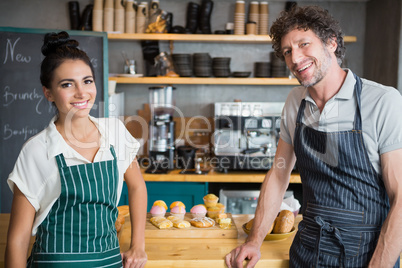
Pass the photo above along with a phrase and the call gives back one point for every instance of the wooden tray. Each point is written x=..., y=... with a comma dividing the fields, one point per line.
x=152, y=231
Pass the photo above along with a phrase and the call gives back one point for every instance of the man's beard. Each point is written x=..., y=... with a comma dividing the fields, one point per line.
x=320, y=73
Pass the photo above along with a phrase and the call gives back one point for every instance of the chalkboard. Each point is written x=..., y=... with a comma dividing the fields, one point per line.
x=24, y=111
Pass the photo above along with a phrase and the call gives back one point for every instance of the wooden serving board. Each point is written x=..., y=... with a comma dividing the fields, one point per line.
x=152, y=231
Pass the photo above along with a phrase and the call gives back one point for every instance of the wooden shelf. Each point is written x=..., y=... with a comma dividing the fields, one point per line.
x=232, y=38
x=215, y=176
x=204, y=81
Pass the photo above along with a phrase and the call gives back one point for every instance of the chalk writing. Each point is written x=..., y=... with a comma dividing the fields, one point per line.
x=25, y=132
x=10, y=50
x=10, y=97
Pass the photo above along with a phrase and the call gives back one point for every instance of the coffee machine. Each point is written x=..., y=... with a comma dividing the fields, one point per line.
x=161, y=149
x=246, y=134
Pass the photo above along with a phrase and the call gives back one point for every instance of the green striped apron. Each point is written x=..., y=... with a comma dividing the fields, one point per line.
x=79, y=230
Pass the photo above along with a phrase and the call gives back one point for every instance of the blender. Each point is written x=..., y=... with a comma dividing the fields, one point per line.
x=161, y=148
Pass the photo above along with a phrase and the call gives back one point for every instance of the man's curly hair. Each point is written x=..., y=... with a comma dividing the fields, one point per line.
x=306, y=18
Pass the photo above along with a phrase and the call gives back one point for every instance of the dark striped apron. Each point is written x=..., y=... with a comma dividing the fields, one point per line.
x=344, y=198
x=79, y=230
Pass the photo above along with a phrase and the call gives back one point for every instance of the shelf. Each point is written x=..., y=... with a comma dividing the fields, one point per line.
x=205, y=81
x=203, y=37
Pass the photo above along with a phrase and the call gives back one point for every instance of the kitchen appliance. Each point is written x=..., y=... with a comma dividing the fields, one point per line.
x=242, y=201
x=161, y=148
x=246, y=134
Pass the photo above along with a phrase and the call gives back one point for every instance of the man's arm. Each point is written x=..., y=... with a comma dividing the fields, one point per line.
x=389, y=245
x=271, y=195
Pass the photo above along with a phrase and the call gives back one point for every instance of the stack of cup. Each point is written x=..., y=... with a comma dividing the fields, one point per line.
x=108, y=16
x=239, y=17
x=142, y=14
x=97, y=16
x=253, y=14
x=263, y=18
x=130, y=17
x=119, y=19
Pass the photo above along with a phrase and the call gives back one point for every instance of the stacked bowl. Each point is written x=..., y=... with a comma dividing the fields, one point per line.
x=182, y=64
x=202, y=64
x=221, y=67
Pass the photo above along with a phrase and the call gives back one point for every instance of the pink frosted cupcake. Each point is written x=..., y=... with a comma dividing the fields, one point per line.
x=178, y=211
x=158, y=211
x=198, y=211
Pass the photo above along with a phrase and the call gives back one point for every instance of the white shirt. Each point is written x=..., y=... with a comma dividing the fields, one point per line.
x=36, y=172
x=381, y=108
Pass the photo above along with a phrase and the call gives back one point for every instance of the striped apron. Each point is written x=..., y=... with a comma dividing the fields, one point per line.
x=79, y=230
x=344, y=198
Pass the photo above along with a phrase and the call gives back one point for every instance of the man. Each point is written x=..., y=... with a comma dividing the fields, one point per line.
x=346, y=135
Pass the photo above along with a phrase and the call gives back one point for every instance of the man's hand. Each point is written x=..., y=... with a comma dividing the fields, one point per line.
x=247, y=251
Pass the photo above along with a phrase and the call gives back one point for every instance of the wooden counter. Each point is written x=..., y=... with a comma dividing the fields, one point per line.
x=200, y=252
x=190, y=252
x=215, y=176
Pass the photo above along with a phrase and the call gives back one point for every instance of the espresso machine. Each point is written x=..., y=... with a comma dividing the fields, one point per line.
x=246, y=134
x=161, y=150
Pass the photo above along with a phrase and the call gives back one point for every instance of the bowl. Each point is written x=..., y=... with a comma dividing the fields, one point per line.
x=273, y=237
x=241, y=74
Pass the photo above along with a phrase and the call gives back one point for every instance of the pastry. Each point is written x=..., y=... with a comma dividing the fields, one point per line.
x=119, y=222
x=160, y=203
x=250, y=224
x=210, y=200
x=158, y=211
x=225, y=223
x=161, y=222
x=178, y=211
x=124, y=210
x=284, y=222
x=212, y=212
x=198, y=211
x=202, y=222
x=179, y=223
x=221, y=206
x=177, y=203
x=221, y=216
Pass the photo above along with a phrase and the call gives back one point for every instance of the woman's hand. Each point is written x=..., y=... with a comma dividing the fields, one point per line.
x=134, y=258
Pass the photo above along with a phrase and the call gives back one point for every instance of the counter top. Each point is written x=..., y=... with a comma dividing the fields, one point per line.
x=200, y=252
x=214, y=176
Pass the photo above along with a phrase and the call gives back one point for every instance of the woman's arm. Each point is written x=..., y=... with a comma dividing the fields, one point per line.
x=19, y=231
x=137, y=198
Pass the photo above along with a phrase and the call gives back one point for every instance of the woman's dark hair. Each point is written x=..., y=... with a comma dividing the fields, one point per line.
x=58, y=47
x=306, y=18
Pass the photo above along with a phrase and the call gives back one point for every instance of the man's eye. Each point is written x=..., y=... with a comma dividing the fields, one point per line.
x=303, y=44
x=88, y=81
x=286, y=52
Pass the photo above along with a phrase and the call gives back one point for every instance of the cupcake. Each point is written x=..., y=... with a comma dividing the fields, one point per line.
x=178, y=211
x=177, y=203
x=198, y=211
x=210, y=200
x=160, y=203
x=158, y=211
x=221, y=206
x=213, y=212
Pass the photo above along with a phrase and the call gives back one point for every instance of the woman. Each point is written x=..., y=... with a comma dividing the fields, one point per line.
x=67, y=179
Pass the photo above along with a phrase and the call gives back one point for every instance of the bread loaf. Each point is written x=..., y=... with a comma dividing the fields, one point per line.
x=284, y=222
x=250, y=224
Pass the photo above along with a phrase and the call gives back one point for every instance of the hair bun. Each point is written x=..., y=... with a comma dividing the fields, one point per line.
x=53, y=41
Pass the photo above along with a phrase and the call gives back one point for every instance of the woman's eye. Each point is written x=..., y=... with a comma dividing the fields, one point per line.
x=65, y=85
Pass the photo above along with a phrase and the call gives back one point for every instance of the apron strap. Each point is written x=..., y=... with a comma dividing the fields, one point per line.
x=61, y=162
x=358, y=90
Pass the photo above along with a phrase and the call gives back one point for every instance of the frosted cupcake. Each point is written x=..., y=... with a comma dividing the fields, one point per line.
x=160, y=203
x=177, y=203
x=158, y=211
x=198, y=211
x=178, y=211
x=210, y=200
